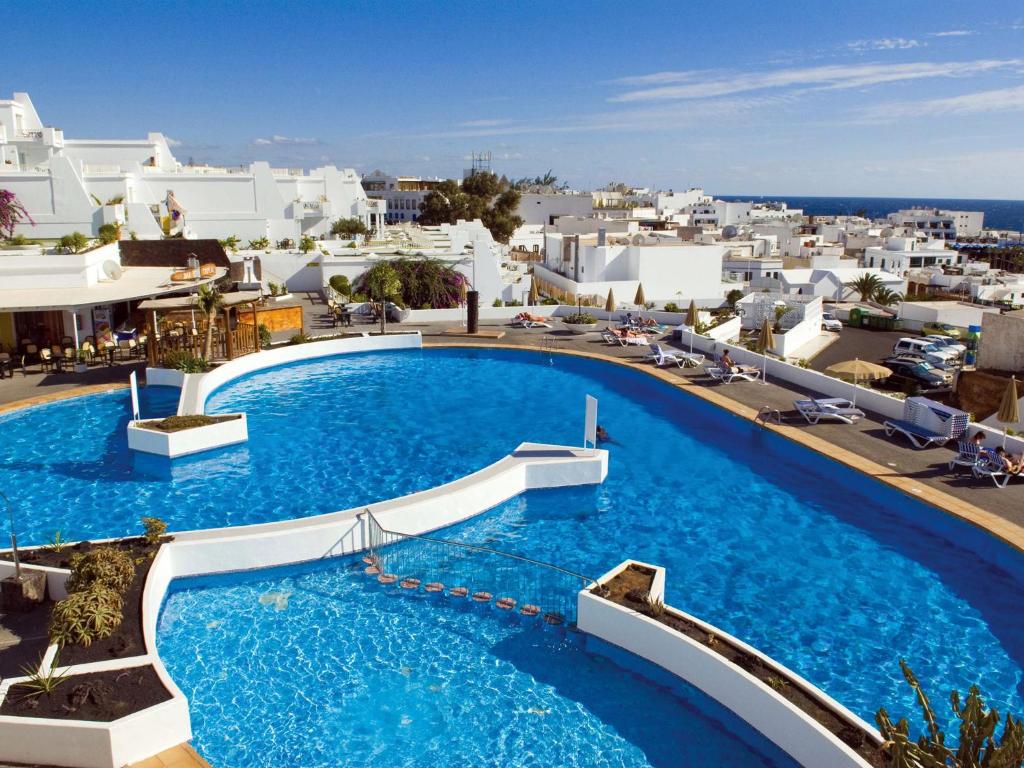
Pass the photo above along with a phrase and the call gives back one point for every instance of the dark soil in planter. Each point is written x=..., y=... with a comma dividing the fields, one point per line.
x=98, y=696
x=127, y=639
x=180, y=423
x=629, y=589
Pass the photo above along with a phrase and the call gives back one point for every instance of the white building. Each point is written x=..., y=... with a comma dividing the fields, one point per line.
x=590, y=265
x=402, y=194
x=798, y=318
x=544, y=208
x=71, y=185
x=939, y=224
x=900, y=255
x=718, y=213
x=831, y=284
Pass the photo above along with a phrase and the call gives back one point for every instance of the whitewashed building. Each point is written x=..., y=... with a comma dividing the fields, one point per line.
x=900, y=255
x=70, y=185
x=940, y=224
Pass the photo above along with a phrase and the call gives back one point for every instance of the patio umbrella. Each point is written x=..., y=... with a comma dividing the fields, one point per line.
x=691, y=320
x=765, y=342
x=858, y=370
x=640, y=300
x=533, y=298
x=609, y=303
x=1009, y=408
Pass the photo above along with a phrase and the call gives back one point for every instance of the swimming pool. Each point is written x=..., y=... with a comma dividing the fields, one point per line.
x=332, y=670
x=833, y=574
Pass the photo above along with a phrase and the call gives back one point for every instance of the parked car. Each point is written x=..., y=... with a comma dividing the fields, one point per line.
x=942, y=329
x=912, y=375
x=830, y=322
x=933, y=360
x=923, y=346
x=947, y=342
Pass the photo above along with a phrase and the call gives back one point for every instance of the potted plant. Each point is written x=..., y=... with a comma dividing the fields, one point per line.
x=580, y=322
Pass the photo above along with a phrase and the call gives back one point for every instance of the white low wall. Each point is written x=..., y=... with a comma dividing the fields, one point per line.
x=165, y=377
x=188, y=441
x=199, y=387
x=793, y=730
x=55, y=577
x=786, y=344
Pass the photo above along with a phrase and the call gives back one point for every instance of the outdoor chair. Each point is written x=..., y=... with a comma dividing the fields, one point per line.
x=661, y=357
x=968, y=455
x=45, y=359
x=727, y=377
x=992, y=468
x=830, y=408
x=926, y=423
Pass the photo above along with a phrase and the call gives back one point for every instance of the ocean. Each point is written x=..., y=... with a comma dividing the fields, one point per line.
x=999, y=214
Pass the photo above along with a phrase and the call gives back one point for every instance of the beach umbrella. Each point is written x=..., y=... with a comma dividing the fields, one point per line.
x=691, y=320
x=857, y=370
x=765, y=341
x=640, y=300
x=1009, y=407
x=609, y=303
x=534, y=298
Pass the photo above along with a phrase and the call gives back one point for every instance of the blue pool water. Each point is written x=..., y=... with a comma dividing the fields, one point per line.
x=835, y=575
x=320, y=666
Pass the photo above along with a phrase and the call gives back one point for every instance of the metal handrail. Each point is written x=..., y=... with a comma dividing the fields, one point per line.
x=767, y=412
x=477, y=548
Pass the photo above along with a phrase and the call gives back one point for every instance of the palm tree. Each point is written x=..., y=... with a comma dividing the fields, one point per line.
x=867, y=285
x=383, y=282
x=209, y=301
x=887, y=298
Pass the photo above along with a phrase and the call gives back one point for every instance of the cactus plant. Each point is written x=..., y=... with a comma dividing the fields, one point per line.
x=87, y=615
x=979, y=746
x=104, y=566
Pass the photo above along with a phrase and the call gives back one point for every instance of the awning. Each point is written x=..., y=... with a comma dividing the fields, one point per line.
x=134, y=283
x=172, y=303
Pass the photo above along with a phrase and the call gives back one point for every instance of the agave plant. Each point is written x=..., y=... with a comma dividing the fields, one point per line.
x=82, y=617
x=42, y=679
x=979, y=745
x=104, y=566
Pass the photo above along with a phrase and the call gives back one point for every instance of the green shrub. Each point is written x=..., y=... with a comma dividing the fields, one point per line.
x=155, y=529
x=360, y=298
x=548, y=301
x=259, y=244
x=299, y=338
x=103, y=566
x=183, y=360
x=580, y=318
x=498, y=303
x=72, y=243
x=307, y=244
x=671, y=306
x=42, y=680
x=341, y=285
x=265, y=339
x=109, y=233
x=84, y=616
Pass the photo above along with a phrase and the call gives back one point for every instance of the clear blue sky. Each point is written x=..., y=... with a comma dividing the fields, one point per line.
x=799, y=98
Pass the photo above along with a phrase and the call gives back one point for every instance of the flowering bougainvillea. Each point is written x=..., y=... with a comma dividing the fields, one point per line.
x=11, y=212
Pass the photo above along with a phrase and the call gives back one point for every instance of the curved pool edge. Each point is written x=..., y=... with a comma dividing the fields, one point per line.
x=67, y=394
x=1007, y=532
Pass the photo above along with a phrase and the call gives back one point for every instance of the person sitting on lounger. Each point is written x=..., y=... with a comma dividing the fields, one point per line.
x=728, y=364
x=1011, y=465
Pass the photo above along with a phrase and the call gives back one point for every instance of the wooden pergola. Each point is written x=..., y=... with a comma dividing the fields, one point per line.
x=175, y=335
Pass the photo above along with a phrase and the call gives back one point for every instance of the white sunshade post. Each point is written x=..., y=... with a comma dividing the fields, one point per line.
x=74, y=326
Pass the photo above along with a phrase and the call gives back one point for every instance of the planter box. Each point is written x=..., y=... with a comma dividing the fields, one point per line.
x=580, y=327
x=188, y=441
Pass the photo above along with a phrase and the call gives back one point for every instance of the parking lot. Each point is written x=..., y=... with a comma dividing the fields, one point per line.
x=861, y=343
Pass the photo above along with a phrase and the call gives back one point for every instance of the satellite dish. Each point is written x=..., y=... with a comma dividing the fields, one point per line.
x=112, y=270
x=730, y=231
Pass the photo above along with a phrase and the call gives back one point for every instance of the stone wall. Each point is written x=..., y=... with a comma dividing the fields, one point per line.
x=1002, y=342
x=980, y=393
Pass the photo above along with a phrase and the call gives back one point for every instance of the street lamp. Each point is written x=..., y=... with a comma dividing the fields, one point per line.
x=14, y=537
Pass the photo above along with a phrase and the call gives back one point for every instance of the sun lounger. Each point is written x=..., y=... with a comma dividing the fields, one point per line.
x=835, y=408
x=968, y=455
x=613, y=338
x=993, y=470
x=727, y=377
x=926, y=423
x=661, y=357
x=526, y=320
x=694, y=359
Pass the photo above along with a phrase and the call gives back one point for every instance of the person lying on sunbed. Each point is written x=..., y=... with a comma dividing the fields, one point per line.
x=531, y=318
x=1011, y=464
x=731, y=366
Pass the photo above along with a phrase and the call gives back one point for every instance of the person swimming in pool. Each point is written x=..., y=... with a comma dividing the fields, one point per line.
x=603, y=436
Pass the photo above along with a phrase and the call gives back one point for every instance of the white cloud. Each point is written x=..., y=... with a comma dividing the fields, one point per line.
x=284, y=140
x=697, y=85
x=483, y=123
x=172, y=142
x=954, y=33
x=885, y=44
x=980, y=102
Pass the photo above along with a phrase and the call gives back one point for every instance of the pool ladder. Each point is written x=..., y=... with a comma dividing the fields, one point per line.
x=767, y=413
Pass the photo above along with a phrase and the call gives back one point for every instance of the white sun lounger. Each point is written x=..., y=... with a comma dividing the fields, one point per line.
x=661, y=357
x=523, y=322
x=835, y=408
x=926, y=423
x=994, y=471
x=968, y=455
x=727, y=377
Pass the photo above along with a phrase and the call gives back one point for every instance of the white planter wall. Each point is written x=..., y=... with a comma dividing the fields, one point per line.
x=188, y=441
x=794, y=731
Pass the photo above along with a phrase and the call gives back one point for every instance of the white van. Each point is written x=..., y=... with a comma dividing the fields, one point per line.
x=924, y=347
